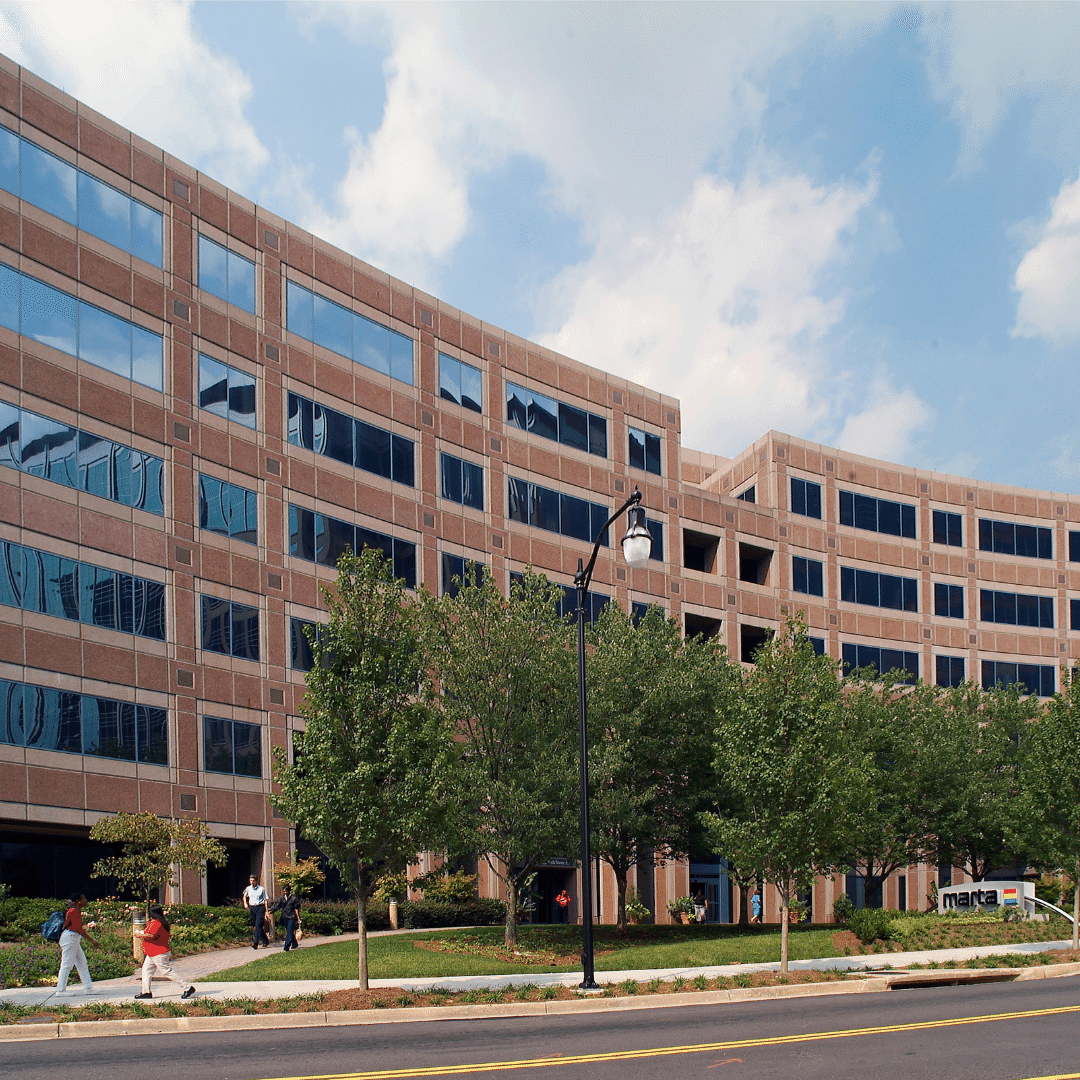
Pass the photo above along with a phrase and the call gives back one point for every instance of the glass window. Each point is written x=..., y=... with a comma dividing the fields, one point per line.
x=950, y=670
x=227, y=392
x=373, y=449
x=9, y=161
x=226, y=275
x=877, y=515
x=217, y=745
x=947, y=528
x=748, y=495
x=299, y=310
x=644, y=451
x=49, y=183
x=49, y=316
x=460, y=383
x=881, y=660
x=573, y=427
x=457, y=571
x=111, y=728
x=1034, y=678
x=530, y=411
x=105, y=340
x=805, y=498
x=152, y=734
x=1074, y=613
x=1007, y=538
x=300, y=654
x=656, y=529
x=878, y=590
x=1015, y=609
x=228, y=509
x=1074, y=537
x=949, y=600
x=806, y=576
x=104, y=212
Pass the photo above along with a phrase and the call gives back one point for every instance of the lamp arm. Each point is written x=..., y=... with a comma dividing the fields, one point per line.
x=583, y=577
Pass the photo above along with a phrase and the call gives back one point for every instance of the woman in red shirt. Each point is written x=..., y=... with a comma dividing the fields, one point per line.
x=156, y=947
x=71, y=950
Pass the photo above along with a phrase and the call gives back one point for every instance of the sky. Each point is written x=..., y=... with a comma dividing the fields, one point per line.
x=855, y=223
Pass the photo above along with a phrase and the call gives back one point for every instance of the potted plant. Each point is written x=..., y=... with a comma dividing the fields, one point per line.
x=636, y=911
x=681, y=908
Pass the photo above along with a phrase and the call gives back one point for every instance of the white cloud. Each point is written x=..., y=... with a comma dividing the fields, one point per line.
x=884, y=429
x=404, y=200
x=1048, y=277
x=985, y=57
x=142, y=66
x=717, y=304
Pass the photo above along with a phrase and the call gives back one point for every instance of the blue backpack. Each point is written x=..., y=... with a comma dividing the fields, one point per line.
x=53, y=926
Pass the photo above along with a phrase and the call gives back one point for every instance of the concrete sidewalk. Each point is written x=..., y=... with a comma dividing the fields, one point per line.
x=124, y=989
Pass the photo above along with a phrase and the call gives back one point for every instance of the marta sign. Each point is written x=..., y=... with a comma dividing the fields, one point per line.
x=1019, y=895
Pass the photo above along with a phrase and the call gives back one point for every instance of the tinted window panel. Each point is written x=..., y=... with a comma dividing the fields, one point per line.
x=847, y=508
x=300, y=654
x=573, y=427
x=866, y=513
x=518, y=500
x=105, y=340
x=372, y=449
x=401, y=357
x=49, y=183
x=241, y=398
x=405, y=562
x=543, y=417
x=472, y=485
x=147, y=352
x=9, y=298
x=9, y=163
x=333, y=326
x=301, y=533
x=597, y=435
x=575, y=518
x=545, y=508
x=451, y=478
x=599, y=515
x=371, y=344
x=146, y=226
x=299, y=310
x=888, y=517
x=217, y=745
x=241, y=282
x=213, y=386
x=104, y=212
x=472, y=388
x=216, y=625
x=152, y=735
x=213, y=268
x=402, y=464
x=449, y=379
x=245, y=632
x=652, y=454
x=49, y=316
x=338, y=443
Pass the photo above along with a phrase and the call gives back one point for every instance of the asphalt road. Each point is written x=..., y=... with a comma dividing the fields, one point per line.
x=941, y=1033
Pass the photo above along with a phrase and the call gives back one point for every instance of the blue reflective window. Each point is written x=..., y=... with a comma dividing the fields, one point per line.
x=748, y=494
x=805, y=498
x=228, y=509
x=230, y=628
x=74, y=196
x=645, y=451
x=460, y=383
x=226, y=391
x=948, y=600
x=877, y=515
x=226, y=275
x=878, y=590
x=657, y=532
x=566, y=424
x=47, y=719
x=568, y=515
x=349, y=333
x=232, y=747
x=462, y=482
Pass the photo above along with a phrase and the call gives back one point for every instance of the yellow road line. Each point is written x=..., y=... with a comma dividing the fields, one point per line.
x=697, y=1048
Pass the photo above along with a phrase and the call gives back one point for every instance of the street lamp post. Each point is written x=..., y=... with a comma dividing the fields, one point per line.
x=637, y=547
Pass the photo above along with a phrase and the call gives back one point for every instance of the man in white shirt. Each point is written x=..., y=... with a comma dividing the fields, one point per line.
x=255, y=902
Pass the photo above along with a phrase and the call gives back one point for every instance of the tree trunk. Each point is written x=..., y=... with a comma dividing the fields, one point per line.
x=1076, y=904
x=510, y=938
x=784, y=895
x=744, y=904
x=361, y=943
x=620, y=891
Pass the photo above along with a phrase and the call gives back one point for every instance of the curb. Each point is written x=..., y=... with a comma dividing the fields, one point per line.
x=86, y=1029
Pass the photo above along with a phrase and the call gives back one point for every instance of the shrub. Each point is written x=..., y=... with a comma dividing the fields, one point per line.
x=683, y=905
x=871, y=924
x=472, y=912
x=459, y=887
x=842, y=909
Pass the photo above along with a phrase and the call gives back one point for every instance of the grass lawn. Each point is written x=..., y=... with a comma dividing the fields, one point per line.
x=479, y=951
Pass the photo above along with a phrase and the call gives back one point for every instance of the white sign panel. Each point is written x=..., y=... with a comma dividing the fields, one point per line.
x=991, y=895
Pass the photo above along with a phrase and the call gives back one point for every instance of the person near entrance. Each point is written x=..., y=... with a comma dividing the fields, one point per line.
x=701, y=907
x=71, y=950
x=563, y=906
x=155, y=943
x=255, y=902
x=755, y=908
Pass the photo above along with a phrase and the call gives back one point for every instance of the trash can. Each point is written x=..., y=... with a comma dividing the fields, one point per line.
x=138, y=925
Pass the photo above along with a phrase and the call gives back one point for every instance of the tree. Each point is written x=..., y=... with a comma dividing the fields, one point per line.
x=971, y=780
x=782, y=751
x=505, y=666
x=366, y=781
x=651, y=706
x=889, y=826
x=1052, y=783
x=299, y=876
x=153, y=848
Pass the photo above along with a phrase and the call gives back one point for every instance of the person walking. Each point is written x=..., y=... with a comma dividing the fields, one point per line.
x=255, y=902
x=755, y=908
x=71, y=950
x=563, y=900
x=155, y=943
x=289, y=906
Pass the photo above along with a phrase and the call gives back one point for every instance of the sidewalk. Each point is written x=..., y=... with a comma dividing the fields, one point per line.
x=196, y=968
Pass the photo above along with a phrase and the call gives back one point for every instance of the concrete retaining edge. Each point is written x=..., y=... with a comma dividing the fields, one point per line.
x=172, y=1025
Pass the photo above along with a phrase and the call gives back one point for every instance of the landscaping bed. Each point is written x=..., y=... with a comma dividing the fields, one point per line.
x=915, y=932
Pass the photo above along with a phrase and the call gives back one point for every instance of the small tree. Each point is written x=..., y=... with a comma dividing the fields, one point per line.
x=1052, y=783
x=366, y=781
x=506, y=669
x=782, y=751
x=153, y=848
x=300, y=876
x=652, y=704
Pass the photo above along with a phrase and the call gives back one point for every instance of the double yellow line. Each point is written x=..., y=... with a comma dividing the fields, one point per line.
x=696, y=1048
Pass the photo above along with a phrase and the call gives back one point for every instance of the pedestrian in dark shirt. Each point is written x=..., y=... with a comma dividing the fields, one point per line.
x=289, y=906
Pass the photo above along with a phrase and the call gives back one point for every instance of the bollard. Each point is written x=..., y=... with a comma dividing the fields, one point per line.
x=393, y=915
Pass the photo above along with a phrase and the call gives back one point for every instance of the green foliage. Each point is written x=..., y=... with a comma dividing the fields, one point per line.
x=393, y=885
x=506, y=669
x=299, y=876
x=871, y=924
x=152, y=848
x=785, y=758
x=635, y=907
x=681, y=905
x=367, y=780
x=842, y=909
x=481, y=911
x=459, y=886
x=651, y=707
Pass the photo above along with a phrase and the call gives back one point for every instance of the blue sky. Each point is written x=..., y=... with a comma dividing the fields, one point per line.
x=856, y=223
